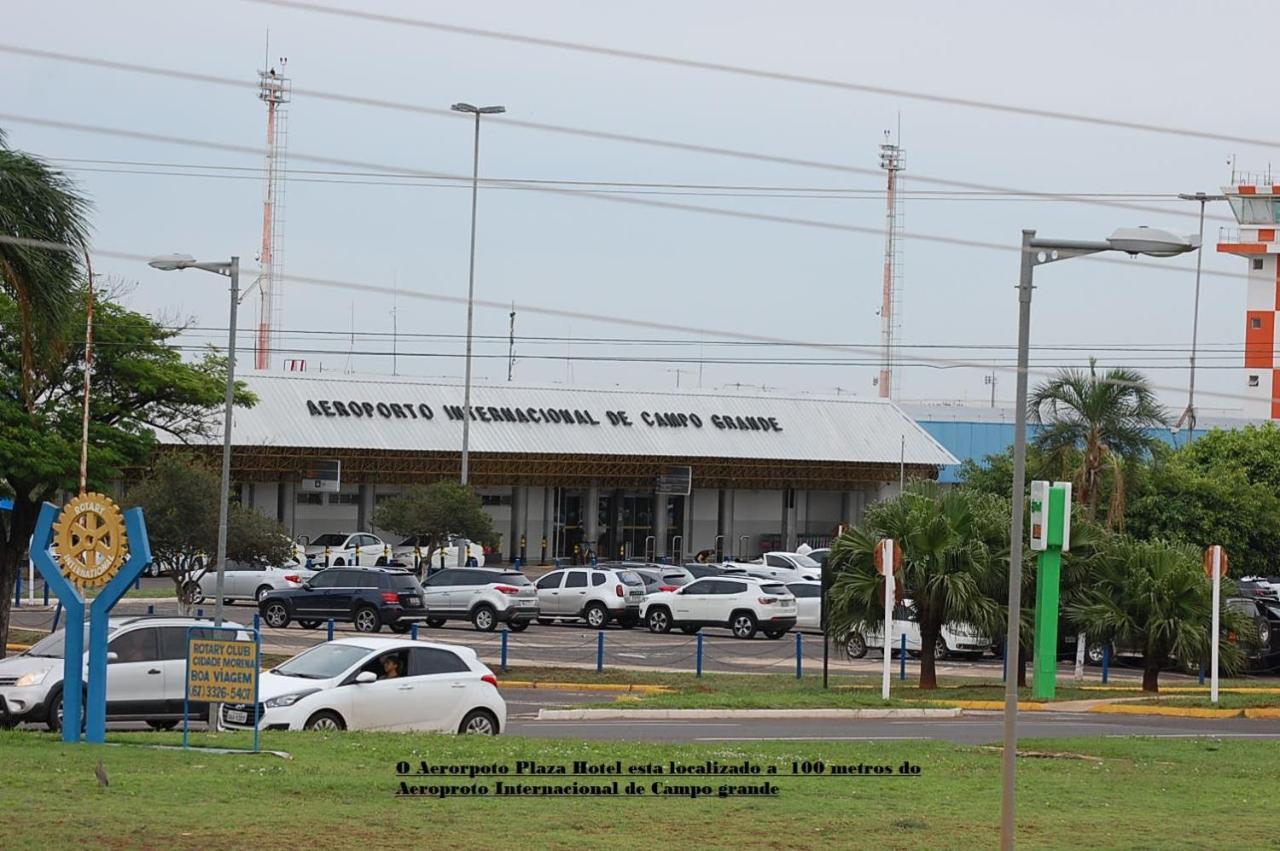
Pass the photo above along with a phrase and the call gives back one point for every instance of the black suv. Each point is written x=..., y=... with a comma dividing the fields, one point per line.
x=368, y=597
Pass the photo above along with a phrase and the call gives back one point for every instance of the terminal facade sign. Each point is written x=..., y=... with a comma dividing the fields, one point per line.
x=361, y=409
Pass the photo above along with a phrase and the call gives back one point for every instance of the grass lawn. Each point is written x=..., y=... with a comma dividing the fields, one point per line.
x=337, y=792
x=781, y=691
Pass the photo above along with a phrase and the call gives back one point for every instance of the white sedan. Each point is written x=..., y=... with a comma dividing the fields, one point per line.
x=250, y=581
x=369, y=683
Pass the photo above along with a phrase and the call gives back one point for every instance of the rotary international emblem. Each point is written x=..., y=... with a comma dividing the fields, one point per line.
x=90, y=540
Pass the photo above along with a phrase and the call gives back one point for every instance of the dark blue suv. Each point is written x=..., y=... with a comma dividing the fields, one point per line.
x=368, y=597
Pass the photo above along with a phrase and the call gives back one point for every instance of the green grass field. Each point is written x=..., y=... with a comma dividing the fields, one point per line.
x=337, y=792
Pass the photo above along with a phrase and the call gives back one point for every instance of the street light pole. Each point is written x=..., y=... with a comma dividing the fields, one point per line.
x=1038, y=252
x=231, y=269
x=1189, y=415
x=471, y=281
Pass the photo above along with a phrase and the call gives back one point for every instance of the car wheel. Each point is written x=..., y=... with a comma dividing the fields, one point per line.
x=366, y=620
x=308, y=624
x=435, y=623
x=54, y=719
x=743, y=625
x=483, y=618
x=480, y=722
x=690, y=630
x=596, y=616
x=855, y=647
x=275, y=615
x=940, y=650
x=659, y=620
x=518, y=626
x=162, y=725
x=1094, y=653
x=262, y=592
x=325, y=721
x=774, y=634
x=192, y=593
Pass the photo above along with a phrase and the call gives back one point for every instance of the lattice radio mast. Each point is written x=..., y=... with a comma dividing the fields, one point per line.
x=891, y=160
x=274, y=89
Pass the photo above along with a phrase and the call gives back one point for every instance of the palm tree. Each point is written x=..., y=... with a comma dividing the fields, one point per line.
x=944, y=562
x=1152, y=596
x=1106, y=420
x=41, y=204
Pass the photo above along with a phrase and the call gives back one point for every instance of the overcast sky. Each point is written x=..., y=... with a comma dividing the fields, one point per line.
x=1183, y=64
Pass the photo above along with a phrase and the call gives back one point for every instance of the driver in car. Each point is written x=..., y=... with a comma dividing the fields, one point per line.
x=390, y=667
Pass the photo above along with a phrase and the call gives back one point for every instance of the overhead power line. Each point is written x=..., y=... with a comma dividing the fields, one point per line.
x=561, y=191
x=601, y=135
x=585, y=316
x=765, y=74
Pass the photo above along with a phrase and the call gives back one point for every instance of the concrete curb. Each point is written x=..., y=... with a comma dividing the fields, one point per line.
x=637, y=688
x=691, y=714
x=1170, y=711
x=994, y=704
x=1262, y=712
x=17, y=647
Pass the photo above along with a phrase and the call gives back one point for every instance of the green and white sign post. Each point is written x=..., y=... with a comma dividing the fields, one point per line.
x=1051, y=537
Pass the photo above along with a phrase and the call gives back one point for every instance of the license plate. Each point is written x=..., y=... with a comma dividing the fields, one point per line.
x=237, y=717
x=413, y=601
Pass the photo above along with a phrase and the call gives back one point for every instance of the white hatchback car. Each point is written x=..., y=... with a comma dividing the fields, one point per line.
x=742, y=603
x=368, y=683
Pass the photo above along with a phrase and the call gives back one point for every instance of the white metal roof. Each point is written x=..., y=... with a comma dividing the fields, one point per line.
x=319, y=412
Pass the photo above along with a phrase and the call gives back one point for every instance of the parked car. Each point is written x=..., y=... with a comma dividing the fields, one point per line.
x=368, y=597
x=484, y=596
x=146, y=674
x=744, y=604
x=347, y=548
x=1262, y=650
x=781, y=567
x=697, y=570
x=596, y=594
x=820, y=555
x=244, y=580
x=1259, y=588
x=412, y=548
x=808, y=596
x=347, y=684
x=954, y=640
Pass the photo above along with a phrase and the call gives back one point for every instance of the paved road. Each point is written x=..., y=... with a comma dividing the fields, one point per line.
x=970, y=729
x=574, y=645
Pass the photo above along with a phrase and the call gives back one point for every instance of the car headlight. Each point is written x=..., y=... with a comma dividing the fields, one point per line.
x=289, y=699
x=32, y=678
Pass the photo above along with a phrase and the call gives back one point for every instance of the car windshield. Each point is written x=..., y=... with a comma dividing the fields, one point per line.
x=53, y=646
x=322, y=661
x=804, y=561
x=329, y=540
x=630, y=577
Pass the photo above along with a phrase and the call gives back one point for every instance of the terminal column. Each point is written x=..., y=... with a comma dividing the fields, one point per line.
x=591, y=525
x=519, y=518
x=661, y=506
x=724, y=525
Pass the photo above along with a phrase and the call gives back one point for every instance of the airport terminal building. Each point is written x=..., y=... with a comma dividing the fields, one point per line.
x=604, y=470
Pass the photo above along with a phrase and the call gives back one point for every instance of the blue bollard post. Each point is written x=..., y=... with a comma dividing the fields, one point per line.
x=1106, y=661
x=199, y=613
x=257, y=622
x=506, y=633
x=57, y=616
x=555, y=562
x=902, y=659
x=518, y=565
x=17, y=590
x=330, y=638
x=600, y=652
x=46, y=593
x=699, y=654
x=413, y=632
x=799, y=655
x=1202, y=673
x=151, y=608
x=137, y=583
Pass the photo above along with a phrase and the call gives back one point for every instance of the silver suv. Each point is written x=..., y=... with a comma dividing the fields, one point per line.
x=594, y=594
x=484, y=596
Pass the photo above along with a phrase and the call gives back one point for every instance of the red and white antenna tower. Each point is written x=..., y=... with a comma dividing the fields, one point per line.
x=891, y=160
x=274, y=89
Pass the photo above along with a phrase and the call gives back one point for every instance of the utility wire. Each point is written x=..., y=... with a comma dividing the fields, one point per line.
x=580, y=315
x=877, y=232
x=761, y=73
x=508, y=121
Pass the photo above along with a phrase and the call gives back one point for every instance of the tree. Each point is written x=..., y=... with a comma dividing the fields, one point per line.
x=141, y=385
x=180, y=500
x=39, y=203
x=1152, y=596
x=1107, y=419
x=434, y=513
x=945, y=566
